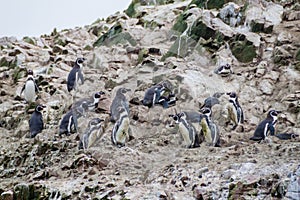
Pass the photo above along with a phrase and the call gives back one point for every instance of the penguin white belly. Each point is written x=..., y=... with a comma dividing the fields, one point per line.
x=122, y=132
x=29, y=92
x=232, y=113
x=185, y=134
x=206, y=131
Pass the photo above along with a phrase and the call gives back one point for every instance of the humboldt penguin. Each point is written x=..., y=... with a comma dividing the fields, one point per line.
x=224, y=70
x=235, y=111
x=209, y=129
x=92, y=103
x=167, y=102
x=121, y=131
x=75, y=75
x=209, y=102
x=119, y=102
x=30, y=88
x=266, y=126
x=36, y=124
x=153, y=95
x=187, y=130
x=91, y=134
x=69, y=121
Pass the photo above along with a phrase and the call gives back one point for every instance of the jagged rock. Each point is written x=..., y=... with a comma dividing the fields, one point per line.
x=230, y=14
x=8, y=195
x=115, y=35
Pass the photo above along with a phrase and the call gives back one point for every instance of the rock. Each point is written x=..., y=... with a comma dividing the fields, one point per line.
x=8, y=195
x=230, y=14
x=243, y=49
x=293, y=190
x=115, y=35
x=266, y=87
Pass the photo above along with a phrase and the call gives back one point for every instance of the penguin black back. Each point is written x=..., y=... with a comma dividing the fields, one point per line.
x=36, y=124
x=266, y=126
x=118, y=103
x=75, y=74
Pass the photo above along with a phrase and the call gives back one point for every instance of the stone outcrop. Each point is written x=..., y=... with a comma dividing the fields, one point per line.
x=182, y=43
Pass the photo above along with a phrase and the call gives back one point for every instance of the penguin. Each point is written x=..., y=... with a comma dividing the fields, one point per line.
x=69, y=121
x=121, y=131
x=167, y=102
x=209, y=129
x=266, y=126
x=75, y=74
x=187, y=130
x=36, y=124
x=119, y=102
x=286, y=136
x=235, y=111
x=224, y=70
x=211, y=101
x=92, y=103
x=91, y=134
x=153, y=95
x=30, y=88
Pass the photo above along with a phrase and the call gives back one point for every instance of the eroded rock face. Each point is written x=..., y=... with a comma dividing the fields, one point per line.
x=182, y=43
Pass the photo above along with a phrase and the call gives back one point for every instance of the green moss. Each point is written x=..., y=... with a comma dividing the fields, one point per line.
x=243, y=52
x=29, y=40
x=116, y=29
x=199, y=29
x=130, y=11
x=180, y=24
x=297, y=57
x=209, y=4
x=110, y=84
x=242, y=49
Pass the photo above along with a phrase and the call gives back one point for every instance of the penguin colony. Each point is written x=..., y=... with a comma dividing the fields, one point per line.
x=154, y=96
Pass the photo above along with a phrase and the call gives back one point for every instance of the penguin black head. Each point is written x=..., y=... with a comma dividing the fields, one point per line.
x=79, y=61
x=227, y=66
x=98, y=94
x=273, y=113
x=206, y=111
x=30, y=72
x=39, y=108
x=232, y=94
x=177, y=117
x=123, y=90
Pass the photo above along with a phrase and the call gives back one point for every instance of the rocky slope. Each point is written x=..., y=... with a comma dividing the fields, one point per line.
x=182, y=42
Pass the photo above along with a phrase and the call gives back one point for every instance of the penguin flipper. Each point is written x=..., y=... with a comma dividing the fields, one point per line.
x=23, y=88
x=286, y=136
x=36, y=87
x=271, y=129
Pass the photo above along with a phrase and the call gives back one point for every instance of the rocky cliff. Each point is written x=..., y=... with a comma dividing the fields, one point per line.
x=183, y=43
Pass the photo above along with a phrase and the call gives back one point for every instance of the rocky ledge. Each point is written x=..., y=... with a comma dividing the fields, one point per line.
x=184, y=43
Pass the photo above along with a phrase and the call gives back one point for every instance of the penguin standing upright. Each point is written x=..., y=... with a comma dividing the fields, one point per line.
x=36, y=124
x=119, y=102
x=121, y=131
x=91, y=134
x=209, y=129
x=30, y=88
x=235, y=111
x=75, y=75
x=187, y=130
x=69, y=121
x=266, y=126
